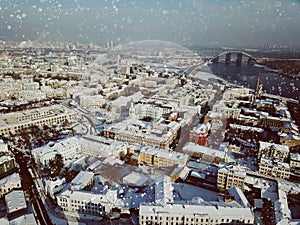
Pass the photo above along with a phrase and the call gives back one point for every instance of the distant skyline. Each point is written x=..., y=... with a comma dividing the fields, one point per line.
x=185, y=22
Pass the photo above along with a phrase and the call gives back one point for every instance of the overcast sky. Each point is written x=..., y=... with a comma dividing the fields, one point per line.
x=186, y=22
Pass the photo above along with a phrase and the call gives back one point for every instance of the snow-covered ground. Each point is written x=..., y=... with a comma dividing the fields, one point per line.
x=187, y=192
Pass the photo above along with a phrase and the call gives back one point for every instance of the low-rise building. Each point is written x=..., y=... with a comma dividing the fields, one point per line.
x=91, y=102
x=204, y=153
x=295, y=160
x=69, y=149
x=9, y=183
x=272, y=150
x=54, y=186
x=231, y=176
x=26, y=219
x=84, y=180
x=229, y=109
x=158, y=135
x=233, y=93
x=199, y=134
x=7, y=164
x=166, y=211
x=16, y=121
x=140, y=111
x=15, y=203
x=84, y=202
x=274, y=168
x=273, y=122
x=199, y=214
x=163, y=191
x=161, y=157
x=212, y=115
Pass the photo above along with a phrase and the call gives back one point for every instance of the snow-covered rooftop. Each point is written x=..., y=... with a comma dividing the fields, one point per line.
x=15, y=201
x=136, y=179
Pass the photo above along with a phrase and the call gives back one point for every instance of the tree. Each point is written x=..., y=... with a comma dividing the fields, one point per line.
x=56, y=165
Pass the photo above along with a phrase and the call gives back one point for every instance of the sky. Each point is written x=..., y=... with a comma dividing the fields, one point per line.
x=231, y=23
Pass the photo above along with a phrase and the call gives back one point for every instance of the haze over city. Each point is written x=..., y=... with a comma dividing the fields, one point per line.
x=185, y=22
x=149, y=112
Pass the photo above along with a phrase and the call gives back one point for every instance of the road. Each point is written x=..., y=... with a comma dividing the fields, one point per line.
x=30, y=188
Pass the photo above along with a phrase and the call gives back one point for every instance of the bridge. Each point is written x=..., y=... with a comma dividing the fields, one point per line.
x=251, y=60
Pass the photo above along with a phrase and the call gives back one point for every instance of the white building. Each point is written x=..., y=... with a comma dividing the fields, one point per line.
x=272, y=150
x=164, y=190
x=69, y=149
x=84, y=202
x=9, y=183
x=3, y=147
x=159, y=135
x=54, y=186
x=26, y=219
x=233, y=93
x=16, y=121
x=91, y=102
x=228, y=109
x=82, y=181
x=274, y=168
x=15, y=203
x=140, y=111
x=295, y=160
x=231, y=176
x=201, y=213
x=204, y=152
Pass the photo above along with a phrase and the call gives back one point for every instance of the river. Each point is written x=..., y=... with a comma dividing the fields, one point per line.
x=273, y=83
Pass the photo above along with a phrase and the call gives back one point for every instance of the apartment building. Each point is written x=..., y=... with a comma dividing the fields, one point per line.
x=140, y=111
x=273, y=122
x=7, y=164
x=199, y=134
x=229, y=109
x=197, y=214
x=83, y=180
x=69, y=149
x=161, y=157
x=164, y=190
x=91, y=102
x=231, y=176
x=15, y=203
x=16, y=121
x=233, y=93
x=9, y=183
x=203, y=152
x=295, y=160
x=274, y=168
x=136, y=131
x=272, y=150
x=85, y=202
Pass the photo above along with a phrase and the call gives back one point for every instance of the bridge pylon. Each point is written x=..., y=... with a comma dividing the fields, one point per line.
x=228, y=58
x=239, y=58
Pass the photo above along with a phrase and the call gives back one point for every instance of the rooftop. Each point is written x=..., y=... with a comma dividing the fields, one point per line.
x=10, y=180
x=163, y=153
x=212, y=211
x=264, y=145
x=15, y=200
x=27, y=219
x=81, y=180
x=190, y=147
x=38, y=113
x=295, y=156
x=235, y=169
